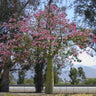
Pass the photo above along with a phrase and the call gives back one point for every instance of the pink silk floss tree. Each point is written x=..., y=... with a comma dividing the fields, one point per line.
x=14, y=50
x=49, y=31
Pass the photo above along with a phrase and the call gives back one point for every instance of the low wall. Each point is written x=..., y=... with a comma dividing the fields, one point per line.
x=57, y=89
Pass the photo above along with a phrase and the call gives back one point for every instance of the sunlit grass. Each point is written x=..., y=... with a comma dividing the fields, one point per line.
x=49, y=95
x=81, y=95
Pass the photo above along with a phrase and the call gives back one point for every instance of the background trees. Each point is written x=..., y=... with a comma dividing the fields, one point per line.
x=39, y=74
x=90, y=81
x=81, y=74
x=12, y=79
x=56, y=77
x=77, y=75
x=21, y=77
x=73, y=76
x=86, y=9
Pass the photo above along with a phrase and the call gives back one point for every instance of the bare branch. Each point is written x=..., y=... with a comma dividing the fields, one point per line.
x=50, y=1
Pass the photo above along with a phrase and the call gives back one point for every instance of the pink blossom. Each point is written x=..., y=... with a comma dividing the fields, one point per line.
x=14, y=20
x=74, y=54
x=10, y=20
x=1, y=44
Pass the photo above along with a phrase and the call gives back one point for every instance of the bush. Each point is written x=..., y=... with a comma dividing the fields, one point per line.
x=90, y=81
x=13, y=83
x=28, y=81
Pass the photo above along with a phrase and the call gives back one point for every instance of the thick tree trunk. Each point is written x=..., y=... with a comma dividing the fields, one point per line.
x=49, y=84
x=38, y=78
x=5, y=81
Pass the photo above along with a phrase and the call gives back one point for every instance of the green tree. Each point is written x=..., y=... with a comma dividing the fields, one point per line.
x=9, y=7
x=21, y=77
x=39, y=77
x=86, y=8
x=56, y=77
x=73, y=76
x=81, y=74
x=12, y=79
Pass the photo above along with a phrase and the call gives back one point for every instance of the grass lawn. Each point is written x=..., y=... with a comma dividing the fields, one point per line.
x=43, y=94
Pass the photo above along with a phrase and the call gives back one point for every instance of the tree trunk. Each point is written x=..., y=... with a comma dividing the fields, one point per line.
x=0, y=80
x=5, y=81
x=49, y=84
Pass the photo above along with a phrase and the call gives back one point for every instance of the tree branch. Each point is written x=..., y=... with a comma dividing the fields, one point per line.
x=50, y=1
x=14, y=69
x=23, y=6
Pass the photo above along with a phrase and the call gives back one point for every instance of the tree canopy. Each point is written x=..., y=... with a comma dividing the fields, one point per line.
x=86, y=9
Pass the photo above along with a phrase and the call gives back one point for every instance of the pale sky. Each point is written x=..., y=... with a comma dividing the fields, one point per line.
x=87, y=60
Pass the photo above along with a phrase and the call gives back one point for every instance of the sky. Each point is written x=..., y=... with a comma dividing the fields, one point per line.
x=87, y=60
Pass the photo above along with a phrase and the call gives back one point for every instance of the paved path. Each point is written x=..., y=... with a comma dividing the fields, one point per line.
x=58, y=89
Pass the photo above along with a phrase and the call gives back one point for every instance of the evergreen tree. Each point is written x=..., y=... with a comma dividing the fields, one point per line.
x=39, y=77
x=21, y=77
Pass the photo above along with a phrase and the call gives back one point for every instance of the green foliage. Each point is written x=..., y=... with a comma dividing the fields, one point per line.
x=39, y=77
x=21, y=77
x=56, y=77
x=12, y=79
x=63, y=83
x=81, y=74
x=28, y=81
x=73, y=76
x=8, y=8
x=13, y=83
x=90, y=81
x=86, y=8
x=77, y=76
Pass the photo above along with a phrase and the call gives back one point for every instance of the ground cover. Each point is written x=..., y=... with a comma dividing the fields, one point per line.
x=43, y=94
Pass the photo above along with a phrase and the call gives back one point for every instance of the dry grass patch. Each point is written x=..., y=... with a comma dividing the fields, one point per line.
x=37, y=94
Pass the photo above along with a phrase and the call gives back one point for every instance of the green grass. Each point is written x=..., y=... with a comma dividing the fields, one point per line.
x=32, y=94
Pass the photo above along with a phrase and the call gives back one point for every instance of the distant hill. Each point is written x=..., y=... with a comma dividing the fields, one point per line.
x=90, y=72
